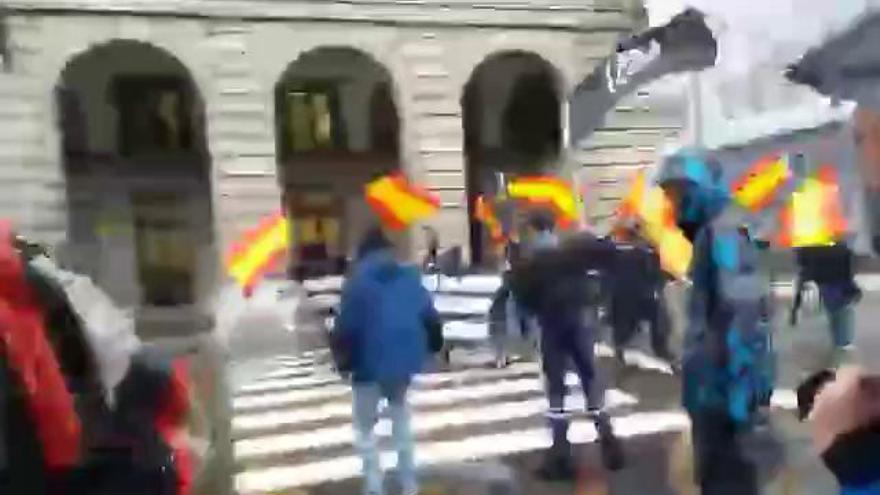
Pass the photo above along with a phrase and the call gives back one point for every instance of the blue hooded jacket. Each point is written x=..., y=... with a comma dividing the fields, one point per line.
x=727, y=361
x=382, y=318
x=873, y=489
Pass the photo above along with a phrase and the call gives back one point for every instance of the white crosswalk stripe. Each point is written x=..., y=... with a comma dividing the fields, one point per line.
x=292, y=425
x=297, y=431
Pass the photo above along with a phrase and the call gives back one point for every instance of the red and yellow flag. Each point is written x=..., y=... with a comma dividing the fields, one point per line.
x=658, y=216
x=655, y=212
x=552, y=192
x=484, y=212
x=398, y=202
x=629, y=207
x=248, y=260
x=760, y=184
x=814, y=215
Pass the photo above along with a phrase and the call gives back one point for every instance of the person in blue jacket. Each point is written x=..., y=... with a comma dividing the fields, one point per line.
x=385, y=316
x=726, y=372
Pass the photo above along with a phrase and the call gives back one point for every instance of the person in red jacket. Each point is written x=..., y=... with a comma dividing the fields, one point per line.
x=34, y=375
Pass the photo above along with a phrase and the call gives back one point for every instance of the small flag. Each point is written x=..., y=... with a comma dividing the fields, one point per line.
x=656, y=214
x=259, y=250
x=757, y=188
x=547, y=191
x=814, y=215
x=398, y=202
x=484, y=212
x=629, y=207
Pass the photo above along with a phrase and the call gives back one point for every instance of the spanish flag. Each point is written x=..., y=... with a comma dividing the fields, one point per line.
x=814, y=215
x=484, y=212
x=629, y=206
x=674, y=249
x=398, y=202
x=760, y=184
x=547, y=191
x=258, y=251
x=655, y=212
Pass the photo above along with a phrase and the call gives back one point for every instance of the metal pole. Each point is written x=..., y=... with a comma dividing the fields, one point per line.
x=695, y=110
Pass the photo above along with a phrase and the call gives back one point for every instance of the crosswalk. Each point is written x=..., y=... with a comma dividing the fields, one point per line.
x=292, y=425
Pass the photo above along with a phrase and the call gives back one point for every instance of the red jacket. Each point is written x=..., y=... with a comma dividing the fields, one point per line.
x=26, y=348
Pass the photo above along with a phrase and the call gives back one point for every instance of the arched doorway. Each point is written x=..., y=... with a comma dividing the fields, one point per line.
x=512, y=125
x=337, y=128
x=137, y=174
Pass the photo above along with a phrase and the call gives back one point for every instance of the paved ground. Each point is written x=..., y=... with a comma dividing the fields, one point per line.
x=480, y=430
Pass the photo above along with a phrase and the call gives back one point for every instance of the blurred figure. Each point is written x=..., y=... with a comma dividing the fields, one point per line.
x=433, y=246
x=543, y=227
x=555, y=286
x=726, y=348
x=845, y=420
x=636, y=286
x=506, y=322
x=830, y=268
x=384, y=321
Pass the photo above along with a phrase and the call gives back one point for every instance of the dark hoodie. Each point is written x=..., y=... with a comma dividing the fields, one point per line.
x=383, y=313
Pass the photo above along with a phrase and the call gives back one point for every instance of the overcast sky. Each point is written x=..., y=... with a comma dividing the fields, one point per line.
x=761, y=31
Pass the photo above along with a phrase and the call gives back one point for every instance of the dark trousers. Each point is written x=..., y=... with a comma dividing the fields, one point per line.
x=561, y=346
x=722, y=467
x=627, y=315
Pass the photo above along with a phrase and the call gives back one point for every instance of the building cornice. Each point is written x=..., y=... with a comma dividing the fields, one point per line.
x=560, y=15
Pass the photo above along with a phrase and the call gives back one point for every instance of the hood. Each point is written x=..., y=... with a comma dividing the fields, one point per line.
x=109, y=330
x=703, y=193
x=381, y=266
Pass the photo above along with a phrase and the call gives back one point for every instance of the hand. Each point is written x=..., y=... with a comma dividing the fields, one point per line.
x=844, y=405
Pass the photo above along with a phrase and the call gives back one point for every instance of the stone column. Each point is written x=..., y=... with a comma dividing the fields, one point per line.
x=434, y=139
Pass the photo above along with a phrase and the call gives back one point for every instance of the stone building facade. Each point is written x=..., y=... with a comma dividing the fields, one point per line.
x=146, y=136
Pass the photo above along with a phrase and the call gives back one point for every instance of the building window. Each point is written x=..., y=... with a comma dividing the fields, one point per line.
x=154, y=114
x=310, y=118
x=166, y=254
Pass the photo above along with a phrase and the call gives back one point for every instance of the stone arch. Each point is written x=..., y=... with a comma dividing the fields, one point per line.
x=327, y=114
x=512, y=116
x=133, y=135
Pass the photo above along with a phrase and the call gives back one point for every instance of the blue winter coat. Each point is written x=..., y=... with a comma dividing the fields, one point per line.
x=382, y=319
x=728, y=360
x=873, y=489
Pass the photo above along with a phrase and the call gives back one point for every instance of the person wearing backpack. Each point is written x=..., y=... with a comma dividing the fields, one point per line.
x=726, y=361
x=387, y=324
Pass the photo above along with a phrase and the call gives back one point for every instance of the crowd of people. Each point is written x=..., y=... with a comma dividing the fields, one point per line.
x=555, y=290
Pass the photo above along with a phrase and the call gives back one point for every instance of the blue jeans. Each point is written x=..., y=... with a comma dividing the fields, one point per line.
x=840, y=321
x=365, y=408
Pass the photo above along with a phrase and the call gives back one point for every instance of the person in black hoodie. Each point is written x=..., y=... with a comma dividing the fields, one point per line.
x=636, y=286
x=831, y=269
x=556, y=285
